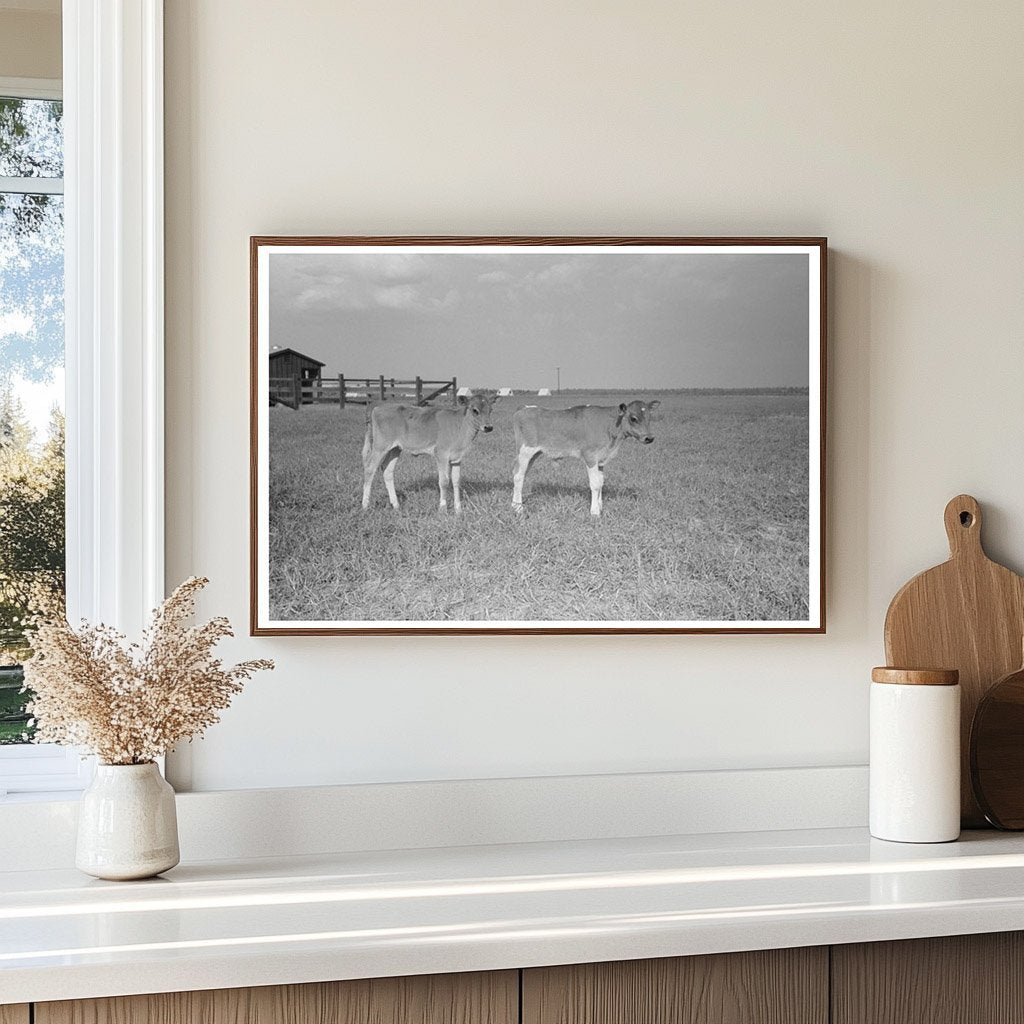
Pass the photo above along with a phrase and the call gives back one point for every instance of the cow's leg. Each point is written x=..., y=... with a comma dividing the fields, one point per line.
x=456, y=479
x=523, y=461
x=390, y=462
x=370, y=463
x=443, y=478
x=596, y=484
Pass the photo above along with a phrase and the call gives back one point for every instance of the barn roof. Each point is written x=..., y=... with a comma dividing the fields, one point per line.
x=293, y=352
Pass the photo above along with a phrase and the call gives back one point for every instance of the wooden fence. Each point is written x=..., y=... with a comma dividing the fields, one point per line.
x=342, y=391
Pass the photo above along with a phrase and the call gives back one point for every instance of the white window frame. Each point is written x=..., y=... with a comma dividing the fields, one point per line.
x=114, y=326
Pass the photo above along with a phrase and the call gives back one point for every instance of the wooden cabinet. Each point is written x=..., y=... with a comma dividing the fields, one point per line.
x=962, y=979
x=491, y=998
x=778, y=986
x=968, y=979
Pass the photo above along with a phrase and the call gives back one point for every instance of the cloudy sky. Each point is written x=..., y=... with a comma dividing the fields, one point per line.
x=608, y=320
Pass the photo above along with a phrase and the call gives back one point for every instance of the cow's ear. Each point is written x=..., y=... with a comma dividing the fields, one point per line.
x=622, y=407
x=463, y=400
x=653, y=405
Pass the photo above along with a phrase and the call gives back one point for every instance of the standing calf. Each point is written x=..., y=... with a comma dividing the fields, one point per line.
x=444, y=433
x=592, y=433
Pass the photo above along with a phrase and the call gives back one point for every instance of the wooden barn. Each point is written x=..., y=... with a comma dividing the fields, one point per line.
x=289, y=371
x=286, y=362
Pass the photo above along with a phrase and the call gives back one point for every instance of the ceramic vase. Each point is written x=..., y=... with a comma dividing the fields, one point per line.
x=127, y=825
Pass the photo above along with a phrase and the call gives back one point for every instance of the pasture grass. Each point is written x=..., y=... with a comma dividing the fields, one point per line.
x=710, y=522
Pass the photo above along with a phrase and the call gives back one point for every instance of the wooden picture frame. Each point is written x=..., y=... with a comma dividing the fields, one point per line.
x=741, y=393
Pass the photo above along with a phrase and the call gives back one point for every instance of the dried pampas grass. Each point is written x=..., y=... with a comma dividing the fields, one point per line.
x=130, y=703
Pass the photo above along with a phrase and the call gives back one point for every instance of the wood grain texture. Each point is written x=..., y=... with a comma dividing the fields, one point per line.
x=14, y=1014
x=997, y=752
x=481, y=998
x=777, y=986
x=961, y=979
x=915, y=676
x=967, y=614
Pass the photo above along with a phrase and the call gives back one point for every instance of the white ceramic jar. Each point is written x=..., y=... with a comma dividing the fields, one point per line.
x=915, y=755
x=127, y=823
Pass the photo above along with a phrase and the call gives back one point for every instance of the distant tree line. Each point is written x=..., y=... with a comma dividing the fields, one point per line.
x=32, y=545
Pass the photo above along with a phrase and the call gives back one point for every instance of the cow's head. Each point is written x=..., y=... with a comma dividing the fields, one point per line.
x=478, y=408
x=635, y=419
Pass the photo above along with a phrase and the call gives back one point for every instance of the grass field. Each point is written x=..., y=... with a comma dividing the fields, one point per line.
x=708, y=523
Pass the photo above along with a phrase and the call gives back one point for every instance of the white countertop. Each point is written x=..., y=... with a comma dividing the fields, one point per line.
x=351, y=915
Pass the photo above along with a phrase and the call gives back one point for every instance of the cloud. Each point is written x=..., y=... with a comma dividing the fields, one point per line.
x=393, y=268
x=559, y=273
x=337, y=294
x=347, y=281
x=399, y=296
x=410, y=297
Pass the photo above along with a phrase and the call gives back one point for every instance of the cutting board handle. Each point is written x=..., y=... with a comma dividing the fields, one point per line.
x=963, y=526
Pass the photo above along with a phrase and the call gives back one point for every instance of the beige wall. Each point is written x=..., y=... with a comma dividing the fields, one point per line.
x=29, y=44
x=895, y=129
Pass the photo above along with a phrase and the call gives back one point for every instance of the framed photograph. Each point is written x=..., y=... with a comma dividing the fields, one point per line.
x=537, y=435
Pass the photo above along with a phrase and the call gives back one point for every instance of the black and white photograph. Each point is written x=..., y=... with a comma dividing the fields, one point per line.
x=537, y=435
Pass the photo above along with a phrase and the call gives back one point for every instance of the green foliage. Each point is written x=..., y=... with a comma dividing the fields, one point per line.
x=31, y=138
x=13, y=724
x=31, y=541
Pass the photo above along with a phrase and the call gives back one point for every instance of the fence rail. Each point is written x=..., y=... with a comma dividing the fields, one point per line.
x=341, y=391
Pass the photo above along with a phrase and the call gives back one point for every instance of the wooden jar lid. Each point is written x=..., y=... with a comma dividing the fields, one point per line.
x=916, y=676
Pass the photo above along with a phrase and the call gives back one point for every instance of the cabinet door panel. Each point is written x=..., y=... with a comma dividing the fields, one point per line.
x=483, y=998
x=778, y=986
x=14, y=1014
x=960, y=979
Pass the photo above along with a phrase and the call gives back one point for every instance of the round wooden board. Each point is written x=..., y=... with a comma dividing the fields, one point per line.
x=997, y=752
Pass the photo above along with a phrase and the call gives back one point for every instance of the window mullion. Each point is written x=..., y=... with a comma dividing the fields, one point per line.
x=32, y=186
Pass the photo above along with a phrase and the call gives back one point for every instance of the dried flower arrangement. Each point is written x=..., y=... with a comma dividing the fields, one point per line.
x=130, y=703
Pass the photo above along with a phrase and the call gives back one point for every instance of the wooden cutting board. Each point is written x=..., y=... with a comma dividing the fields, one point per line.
x=967, y=614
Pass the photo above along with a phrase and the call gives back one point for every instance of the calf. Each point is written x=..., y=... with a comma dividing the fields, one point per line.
x=592, y=433
x=444, y=433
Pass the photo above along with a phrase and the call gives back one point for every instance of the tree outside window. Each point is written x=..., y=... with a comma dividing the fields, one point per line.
x=32, y=542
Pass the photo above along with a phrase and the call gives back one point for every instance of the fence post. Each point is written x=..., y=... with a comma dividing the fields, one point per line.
x=455, y=391
x=297, y=392
x=341, y=390
x=382, y=398
x=419, y=390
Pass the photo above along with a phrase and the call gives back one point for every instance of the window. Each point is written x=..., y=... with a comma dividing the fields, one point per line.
x=32, y=533
x=112, y=207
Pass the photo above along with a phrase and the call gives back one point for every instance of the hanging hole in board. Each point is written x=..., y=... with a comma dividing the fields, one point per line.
x=966, y=519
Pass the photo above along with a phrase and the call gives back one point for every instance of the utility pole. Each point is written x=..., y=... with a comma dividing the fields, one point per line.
x=558, y=375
